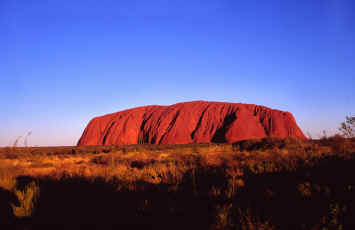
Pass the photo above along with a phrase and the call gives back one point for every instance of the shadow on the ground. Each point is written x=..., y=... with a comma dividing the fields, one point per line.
x=75, y=203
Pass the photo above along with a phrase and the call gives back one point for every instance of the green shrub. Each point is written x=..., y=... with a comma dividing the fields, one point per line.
x=347, y=128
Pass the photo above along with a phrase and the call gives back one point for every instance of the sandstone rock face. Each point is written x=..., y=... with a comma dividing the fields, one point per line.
x=190, y=122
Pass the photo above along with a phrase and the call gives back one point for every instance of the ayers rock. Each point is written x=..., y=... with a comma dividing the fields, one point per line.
x=190, y=122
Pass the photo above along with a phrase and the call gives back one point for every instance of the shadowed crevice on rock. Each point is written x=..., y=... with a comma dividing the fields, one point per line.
x=144, y=138
x=220, y=135
x=199, y=122
x=107, y=132
x=171, y=125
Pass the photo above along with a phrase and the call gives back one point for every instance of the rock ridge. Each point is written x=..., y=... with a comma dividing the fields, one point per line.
x=190, y=122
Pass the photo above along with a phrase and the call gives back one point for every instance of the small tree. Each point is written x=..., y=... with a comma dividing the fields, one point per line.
x=347, y=128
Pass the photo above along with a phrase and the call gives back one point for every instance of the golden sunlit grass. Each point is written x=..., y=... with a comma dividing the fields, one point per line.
x=169, y=162
x=8, y=183
x=221, y=174
x=27, y=200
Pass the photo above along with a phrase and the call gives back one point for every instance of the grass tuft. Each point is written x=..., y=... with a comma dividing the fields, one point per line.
x=27, y=200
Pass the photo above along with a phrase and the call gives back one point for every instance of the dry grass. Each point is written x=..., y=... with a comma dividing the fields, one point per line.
x=218, y=173
x=27, y=200
x=168, y=164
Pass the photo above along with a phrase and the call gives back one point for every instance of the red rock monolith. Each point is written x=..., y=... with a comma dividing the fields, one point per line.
x=190, y=122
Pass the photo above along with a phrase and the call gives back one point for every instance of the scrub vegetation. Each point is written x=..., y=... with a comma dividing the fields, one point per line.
x=253, y=184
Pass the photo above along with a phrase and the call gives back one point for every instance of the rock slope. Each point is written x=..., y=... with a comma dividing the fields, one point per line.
x=190, y=122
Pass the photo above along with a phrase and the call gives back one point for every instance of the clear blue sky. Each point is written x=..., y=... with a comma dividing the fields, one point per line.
x=64, y=62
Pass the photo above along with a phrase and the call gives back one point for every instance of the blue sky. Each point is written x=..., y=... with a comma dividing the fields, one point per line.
x=64, y=62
